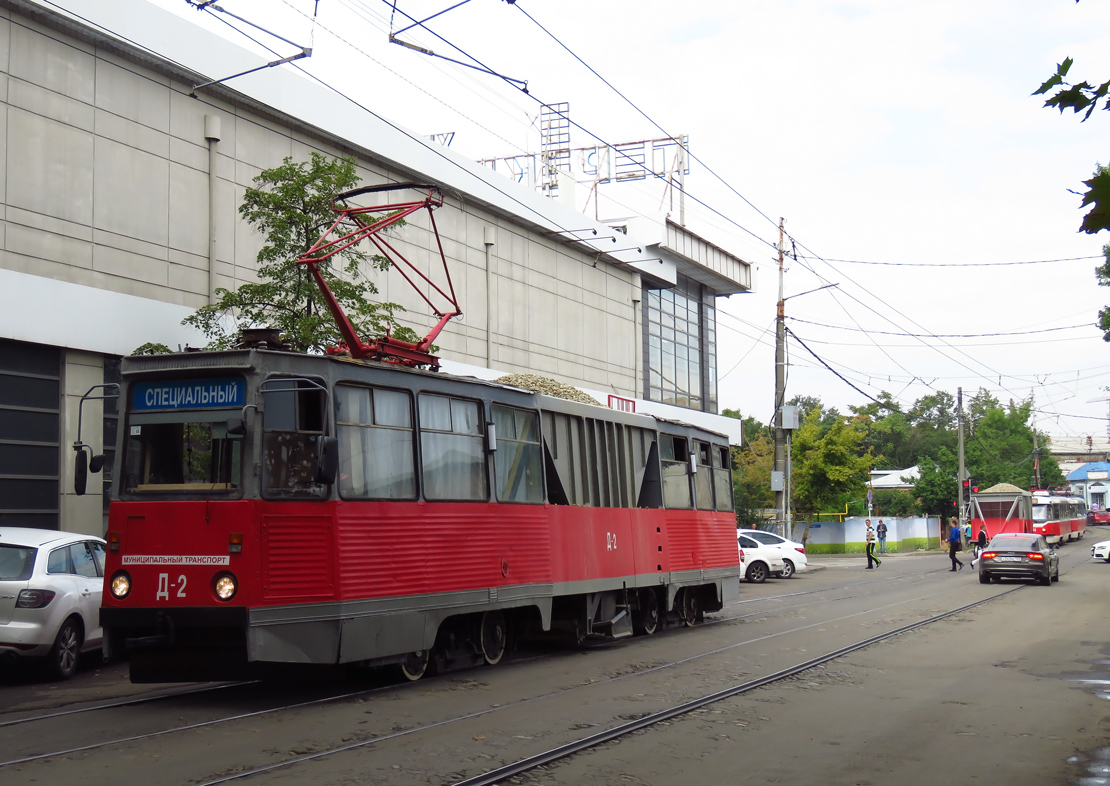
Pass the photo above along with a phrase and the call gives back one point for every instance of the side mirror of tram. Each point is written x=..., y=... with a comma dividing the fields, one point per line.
x=96, y=463
x=327, y=459
x=236, y=427
x=80, y=472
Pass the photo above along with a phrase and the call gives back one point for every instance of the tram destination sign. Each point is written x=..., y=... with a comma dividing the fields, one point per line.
x=188, y=394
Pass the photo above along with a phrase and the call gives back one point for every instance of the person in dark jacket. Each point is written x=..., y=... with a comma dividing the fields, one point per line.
x=954, y=544
x=980, y=545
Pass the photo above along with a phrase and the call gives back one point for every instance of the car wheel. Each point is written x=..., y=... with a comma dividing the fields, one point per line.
x=757, y=573
x=1046, y=580
x=1056, y=577
x=984, y=578
x=787, y=568
x=63, y=657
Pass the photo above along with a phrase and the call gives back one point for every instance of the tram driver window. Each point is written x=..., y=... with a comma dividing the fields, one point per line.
x=293, y=418
x=182, y=452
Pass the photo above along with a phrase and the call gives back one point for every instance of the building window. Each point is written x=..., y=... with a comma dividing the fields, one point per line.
x=30, y=434
x=680, y=337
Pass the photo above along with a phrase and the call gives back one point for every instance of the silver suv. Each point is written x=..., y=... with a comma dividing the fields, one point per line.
x=50, y=588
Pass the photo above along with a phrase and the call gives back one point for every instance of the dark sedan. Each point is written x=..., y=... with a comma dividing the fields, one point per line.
x=1019, y=556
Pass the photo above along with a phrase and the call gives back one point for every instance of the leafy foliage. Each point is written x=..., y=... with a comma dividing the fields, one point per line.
x=751, y=480
x=291, y=205
x=1084, y=98
x=830, y=464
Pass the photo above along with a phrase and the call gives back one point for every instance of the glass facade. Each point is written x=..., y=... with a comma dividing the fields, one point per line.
x=680, y=345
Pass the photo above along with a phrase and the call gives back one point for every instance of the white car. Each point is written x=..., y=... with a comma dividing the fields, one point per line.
x=50, y=588
x=1101, y=550
x=792, y=552
x=758, y=561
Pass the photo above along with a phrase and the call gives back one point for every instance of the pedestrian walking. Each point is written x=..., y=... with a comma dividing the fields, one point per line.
x=881, y=532
x=954, y=544
x=980, y=545
x=871, y=538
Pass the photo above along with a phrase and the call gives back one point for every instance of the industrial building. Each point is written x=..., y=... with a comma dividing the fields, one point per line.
x=121, y=183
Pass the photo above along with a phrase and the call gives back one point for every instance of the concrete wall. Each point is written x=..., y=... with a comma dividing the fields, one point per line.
x=849, y=536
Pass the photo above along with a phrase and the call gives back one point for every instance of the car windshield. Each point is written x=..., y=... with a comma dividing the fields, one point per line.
x=1013, y=544
x=16, y=562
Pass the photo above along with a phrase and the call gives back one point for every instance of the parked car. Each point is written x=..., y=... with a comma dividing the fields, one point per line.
x=793, y=553
x=1098, y=517
x=759, y=561
x=1015, y=555
x=50, y=587
x=1101, y=550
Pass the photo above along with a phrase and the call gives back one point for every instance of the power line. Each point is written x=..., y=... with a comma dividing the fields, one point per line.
x=953, y=264
x=940, y=335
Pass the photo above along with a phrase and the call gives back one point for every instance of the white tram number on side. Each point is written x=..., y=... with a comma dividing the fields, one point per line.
x=164, y=586
x=610, y=541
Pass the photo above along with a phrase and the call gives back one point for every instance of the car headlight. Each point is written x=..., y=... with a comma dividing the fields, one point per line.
x=225, y=586
x=34, y=599
x=120, y=587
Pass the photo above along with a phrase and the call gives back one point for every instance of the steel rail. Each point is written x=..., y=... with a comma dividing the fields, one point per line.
x=602, y=737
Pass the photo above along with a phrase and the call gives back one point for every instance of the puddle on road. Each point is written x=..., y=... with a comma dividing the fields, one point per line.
x=1094, y=764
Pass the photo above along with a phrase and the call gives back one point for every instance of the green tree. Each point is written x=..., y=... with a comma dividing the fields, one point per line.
x=1000, y=449
x=751, y=480
x=887, y=432
x=830, y=465
x=936, y=487
x=291, y=205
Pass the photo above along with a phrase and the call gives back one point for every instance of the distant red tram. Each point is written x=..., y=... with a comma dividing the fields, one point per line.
x=1059, y=516
x=274, y=508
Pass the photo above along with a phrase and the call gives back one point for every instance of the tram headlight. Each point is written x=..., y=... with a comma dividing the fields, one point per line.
x=225, y=586
x=121, y=585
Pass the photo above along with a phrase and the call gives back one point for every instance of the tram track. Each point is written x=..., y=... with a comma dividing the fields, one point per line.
x=562, y=751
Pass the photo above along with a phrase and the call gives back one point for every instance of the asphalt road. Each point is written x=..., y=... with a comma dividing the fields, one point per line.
x=1012, y=691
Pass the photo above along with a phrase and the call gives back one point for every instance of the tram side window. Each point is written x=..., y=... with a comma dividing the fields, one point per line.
x=722, y=477
x=293, y=419
x=517, y=461
x=376, y=454
x=452, y=456
x=703, y=478
x=563, y=439
x=675, y=457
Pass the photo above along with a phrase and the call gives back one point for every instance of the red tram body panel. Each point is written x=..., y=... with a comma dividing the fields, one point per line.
x=275, y=508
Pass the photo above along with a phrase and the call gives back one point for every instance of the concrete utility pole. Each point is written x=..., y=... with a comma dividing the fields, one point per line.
x=961, y=473
x=778, y=476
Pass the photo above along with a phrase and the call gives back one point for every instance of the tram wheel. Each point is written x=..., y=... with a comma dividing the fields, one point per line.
x=691, y=606
x=415, y=665
x=493, y=636
x=646, y=619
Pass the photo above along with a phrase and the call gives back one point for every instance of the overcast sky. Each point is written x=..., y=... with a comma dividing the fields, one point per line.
x=899, y=140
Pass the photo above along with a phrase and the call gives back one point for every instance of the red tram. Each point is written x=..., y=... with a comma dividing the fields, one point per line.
x=1059, y=516
x=276, y=508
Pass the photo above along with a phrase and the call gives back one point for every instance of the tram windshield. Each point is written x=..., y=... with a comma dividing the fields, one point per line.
x=1040, y=512
x=172, y=452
